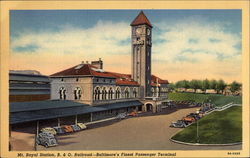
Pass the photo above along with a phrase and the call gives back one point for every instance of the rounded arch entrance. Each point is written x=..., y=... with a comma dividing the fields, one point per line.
x=149, y=106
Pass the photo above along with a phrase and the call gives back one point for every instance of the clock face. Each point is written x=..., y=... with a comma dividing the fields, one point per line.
x=148, y=32
x=138, y=31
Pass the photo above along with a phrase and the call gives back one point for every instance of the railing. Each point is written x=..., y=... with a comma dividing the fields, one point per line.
x=156, y=98
x=96, y=102
x=222, y=108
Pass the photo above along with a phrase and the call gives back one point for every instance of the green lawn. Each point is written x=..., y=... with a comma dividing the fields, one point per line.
x=217, y=99
x=219, y=127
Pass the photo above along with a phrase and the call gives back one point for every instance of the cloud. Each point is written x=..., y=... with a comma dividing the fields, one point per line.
x=71, y=45
x=194, y=48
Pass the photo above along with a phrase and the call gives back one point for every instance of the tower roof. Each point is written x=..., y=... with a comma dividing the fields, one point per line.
x=141, y=19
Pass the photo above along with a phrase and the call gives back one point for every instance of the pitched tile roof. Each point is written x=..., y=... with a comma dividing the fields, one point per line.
x=90, y=70
x=141, y=19
x=160, y=81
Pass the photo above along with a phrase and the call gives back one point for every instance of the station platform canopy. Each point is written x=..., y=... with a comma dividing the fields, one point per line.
x=21, y=112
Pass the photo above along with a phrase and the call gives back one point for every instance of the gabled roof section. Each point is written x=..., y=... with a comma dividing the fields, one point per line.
x=81, y=69
x=90, y=70
x=141, y=19
x=155, y=79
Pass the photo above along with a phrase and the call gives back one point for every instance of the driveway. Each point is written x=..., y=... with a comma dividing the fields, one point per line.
x=150, y=132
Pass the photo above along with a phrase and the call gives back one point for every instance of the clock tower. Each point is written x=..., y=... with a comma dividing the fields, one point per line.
x=141, y=53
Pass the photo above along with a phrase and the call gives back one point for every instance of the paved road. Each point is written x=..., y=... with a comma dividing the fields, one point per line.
x=138, y=133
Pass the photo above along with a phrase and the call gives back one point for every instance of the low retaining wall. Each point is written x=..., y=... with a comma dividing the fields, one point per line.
x=198, y=144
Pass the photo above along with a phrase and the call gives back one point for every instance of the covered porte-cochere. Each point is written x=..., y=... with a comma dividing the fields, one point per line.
x=154, y=105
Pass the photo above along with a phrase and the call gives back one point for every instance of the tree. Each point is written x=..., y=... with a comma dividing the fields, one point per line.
x=182, y=84
x=205, y=85
x=199, y=84
x=212, y=84
x=179, y=84
x=221, y=85
x=171, y=86
x=186, y=84
x=235, y=86
x=194, y=84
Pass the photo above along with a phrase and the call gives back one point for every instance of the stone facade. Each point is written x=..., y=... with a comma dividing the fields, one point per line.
x=141, y=57
x=91, y=90
x=66, y=88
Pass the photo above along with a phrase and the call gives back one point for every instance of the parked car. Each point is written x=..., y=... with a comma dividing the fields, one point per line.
x=133, y=113
x=67, y=129
x=82, y=126
x=179, y=124
x=195, y=116
x=49, y=130
x=121, y=116
x=59, y=130
x=46, y=139
x=198, y=104
x=75, y=128
x=188, y=119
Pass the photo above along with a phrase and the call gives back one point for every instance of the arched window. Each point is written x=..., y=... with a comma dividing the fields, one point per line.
x=110, y=93
x=134, y=92
x=118, y=93
x=62, y=93
x=153, y=91
x=157, y=93
x=126, y=92
x=97, y=93
x=104, y=93
x=77, y=93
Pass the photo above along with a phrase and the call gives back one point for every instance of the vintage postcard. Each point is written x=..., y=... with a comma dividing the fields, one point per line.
x=124, y=79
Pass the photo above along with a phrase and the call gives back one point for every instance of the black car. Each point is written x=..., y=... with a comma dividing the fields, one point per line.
x=195, y=116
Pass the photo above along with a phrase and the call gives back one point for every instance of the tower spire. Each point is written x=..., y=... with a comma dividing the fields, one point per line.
x=141, y=19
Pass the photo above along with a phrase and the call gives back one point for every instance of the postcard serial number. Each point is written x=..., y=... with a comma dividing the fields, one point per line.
x=233, y=153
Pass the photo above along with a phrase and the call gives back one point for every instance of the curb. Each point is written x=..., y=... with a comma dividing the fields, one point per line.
x=198, y=144
x=98, y=121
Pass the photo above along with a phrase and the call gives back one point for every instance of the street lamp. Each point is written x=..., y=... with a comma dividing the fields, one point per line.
x=197, y=129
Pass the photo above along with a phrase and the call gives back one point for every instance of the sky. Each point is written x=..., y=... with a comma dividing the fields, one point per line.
x=186, y=44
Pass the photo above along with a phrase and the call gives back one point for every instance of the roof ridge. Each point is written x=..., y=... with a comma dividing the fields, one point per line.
x=63, y=70
x=141, y=19
x=90, y=70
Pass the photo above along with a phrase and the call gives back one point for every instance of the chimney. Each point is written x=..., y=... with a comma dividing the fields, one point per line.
x=98, y=64
x=82, y=62
x=87, y=62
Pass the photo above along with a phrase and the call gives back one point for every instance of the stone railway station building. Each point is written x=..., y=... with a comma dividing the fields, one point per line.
x=86, y=92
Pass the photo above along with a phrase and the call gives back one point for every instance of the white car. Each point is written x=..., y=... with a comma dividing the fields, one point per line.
x=178, y=124
x=82, y=126
x=121, y=116
x=49, y=130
